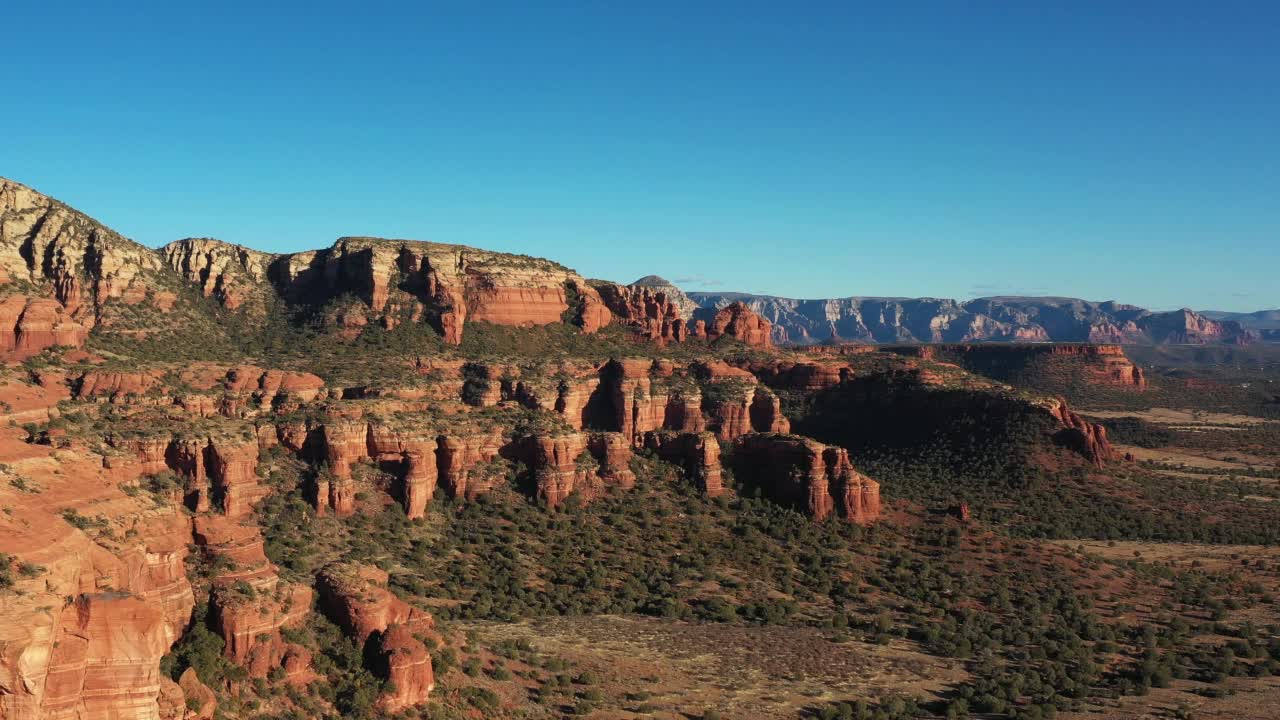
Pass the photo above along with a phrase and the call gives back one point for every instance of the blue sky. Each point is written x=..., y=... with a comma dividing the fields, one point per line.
x=1103, y=150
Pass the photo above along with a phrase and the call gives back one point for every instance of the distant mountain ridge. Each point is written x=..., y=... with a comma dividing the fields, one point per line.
x=1266, y=323
x=988, y=319
x=64, y=276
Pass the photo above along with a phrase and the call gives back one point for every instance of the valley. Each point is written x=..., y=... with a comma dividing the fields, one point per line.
x=393, y=478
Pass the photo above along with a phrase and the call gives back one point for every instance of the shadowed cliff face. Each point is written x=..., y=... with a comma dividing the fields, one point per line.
x=1039, y=365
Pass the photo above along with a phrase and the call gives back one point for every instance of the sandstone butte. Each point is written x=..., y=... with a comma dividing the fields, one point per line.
x=83, y=635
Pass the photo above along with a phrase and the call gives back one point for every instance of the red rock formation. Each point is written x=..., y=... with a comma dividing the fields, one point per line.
x=593, y=314
x=106, y=662
x=641, y=405
x=1101, y=364
x=29, y=325
x=806, y=474
x=573, y=397
x=459, y=458
x=250, y=623
x=344, y=442
x=766, y=413
x=229, y=273
x=76, y=264
x=736, y=404
x=731, y=416
x=232, y=468
x=419, y=483
x=741, y=323
x=697, y=453
x=1080, y=435
x=1106, y=364
x=200, y=700
x=443, y=285
x=857, y=497
x=356, y=598
x=407, y=665
x=273, y=389
x=613, y=453
x=114, y=386
x=249, y=604
x=650, y=311
x=520, y=306
x=557, y=471
x=241, y=547
x=84, y=637
x=802, y=376
x=411, y=456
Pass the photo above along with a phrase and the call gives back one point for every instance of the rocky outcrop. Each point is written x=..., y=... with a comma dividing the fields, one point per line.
x=420, y=458
x=106, y=662
x=231, y=274
x=697, y=453
x=801, y=376
x=651, y=311
x=577, y=464
x=808, y=475
x=641, y=400
x=410, y=455
x=558, y=470
x=75, y=261
x=356, y=598
x=29, y=325
x=574, y=396
x=857, y=497
x=249, y=605
x=1187, y=327
x=344, y=442
x=115, y=386
x=612, y=452
x=742, y=407
x=404, y=661
x=199, y=701
x=592, y=313
x=741, y=323
x=419, y=483
x=443, y=285
x=394, y=282
x=248, y=387
x=250, y=620
x=232, y=469
x=1080, y=435
x=203, y=389
x=84, y=637
x=464, y=463
x=220, y=469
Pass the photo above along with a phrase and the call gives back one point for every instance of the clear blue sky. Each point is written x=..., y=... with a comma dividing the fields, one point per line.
x=1109, y=150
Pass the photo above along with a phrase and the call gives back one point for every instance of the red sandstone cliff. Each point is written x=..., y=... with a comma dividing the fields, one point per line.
x=651, y=311
x=407, y=665
x=804, y=473
x=356, y=598
x=741, y=323
x=697, y=453
x=1086, y=438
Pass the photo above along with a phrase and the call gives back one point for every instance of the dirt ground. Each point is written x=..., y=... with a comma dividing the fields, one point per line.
x=1239, y=465
x=656, y=668
x=1182, y=418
